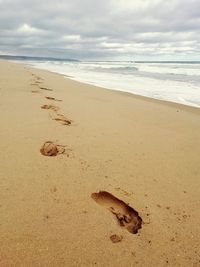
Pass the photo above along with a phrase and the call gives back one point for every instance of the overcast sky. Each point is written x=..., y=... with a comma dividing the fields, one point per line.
x=101, y=29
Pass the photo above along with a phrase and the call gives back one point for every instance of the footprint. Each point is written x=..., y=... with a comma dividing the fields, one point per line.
x=62, y=119
x=57, y=117
x=52, y=98
x=51, y=107
x=125, y=215
x=51, y=149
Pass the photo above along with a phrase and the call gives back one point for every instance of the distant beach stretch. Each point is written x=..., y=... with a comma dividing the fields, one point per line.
x=95, y=177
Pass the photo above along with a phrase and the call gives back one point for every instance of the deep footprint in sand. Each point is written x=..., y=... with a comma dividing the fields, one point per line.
x=126, y=216
x=51, y=149
x=51, y=107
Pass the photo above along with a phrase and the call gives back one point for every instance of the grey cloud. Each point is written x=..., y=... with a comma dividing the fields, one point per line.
x=93, y=29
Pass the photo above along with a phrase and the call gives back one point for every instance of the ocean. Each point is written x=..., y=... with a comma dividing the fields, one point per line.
x=177, y=82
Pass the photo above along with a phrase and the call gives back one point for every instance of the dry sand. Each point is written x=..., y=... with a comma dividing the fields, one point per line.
x=144, y=152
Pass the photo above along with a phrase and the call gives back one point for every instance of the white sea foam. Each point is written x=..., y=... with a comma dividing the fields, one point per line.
x=175, y=82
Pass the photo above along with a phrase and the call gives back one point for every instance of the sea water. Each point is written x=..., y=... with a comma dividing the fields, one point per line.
x=170, y=81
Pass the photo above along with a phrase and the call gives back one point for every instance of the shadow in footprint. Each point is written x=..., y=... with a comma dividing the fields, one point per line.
x=52, y=98
x=51, y=149
x=116, y=238
x=126, y=216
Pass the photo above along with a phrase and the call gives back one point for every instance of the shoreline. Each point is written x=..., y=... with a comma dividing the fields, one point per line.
x=141, y=151
x=114, y=90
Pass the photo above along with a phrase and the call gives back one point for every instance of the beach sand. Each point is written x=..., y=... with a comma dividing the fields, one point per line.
x=144, y=152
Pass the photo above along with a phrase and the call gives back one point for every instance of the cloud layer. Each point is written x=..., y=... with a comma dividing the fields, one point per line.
x=106, y=29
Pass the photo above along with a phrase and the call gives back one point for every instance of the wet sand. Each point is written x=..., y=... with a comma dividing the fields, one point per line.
x=142, y=153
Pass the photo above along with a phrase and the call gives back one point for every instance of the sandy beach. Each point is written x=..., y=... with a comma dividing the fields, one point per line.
x=142, y=151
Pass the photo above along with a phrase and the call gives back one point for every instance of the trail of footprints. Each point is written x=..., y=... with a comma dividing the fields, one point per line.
x=125, y=215
x=50, y=148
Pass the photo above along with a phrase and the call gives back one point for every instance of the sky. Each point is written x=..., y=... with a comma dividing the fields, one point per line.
x=101, y=29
